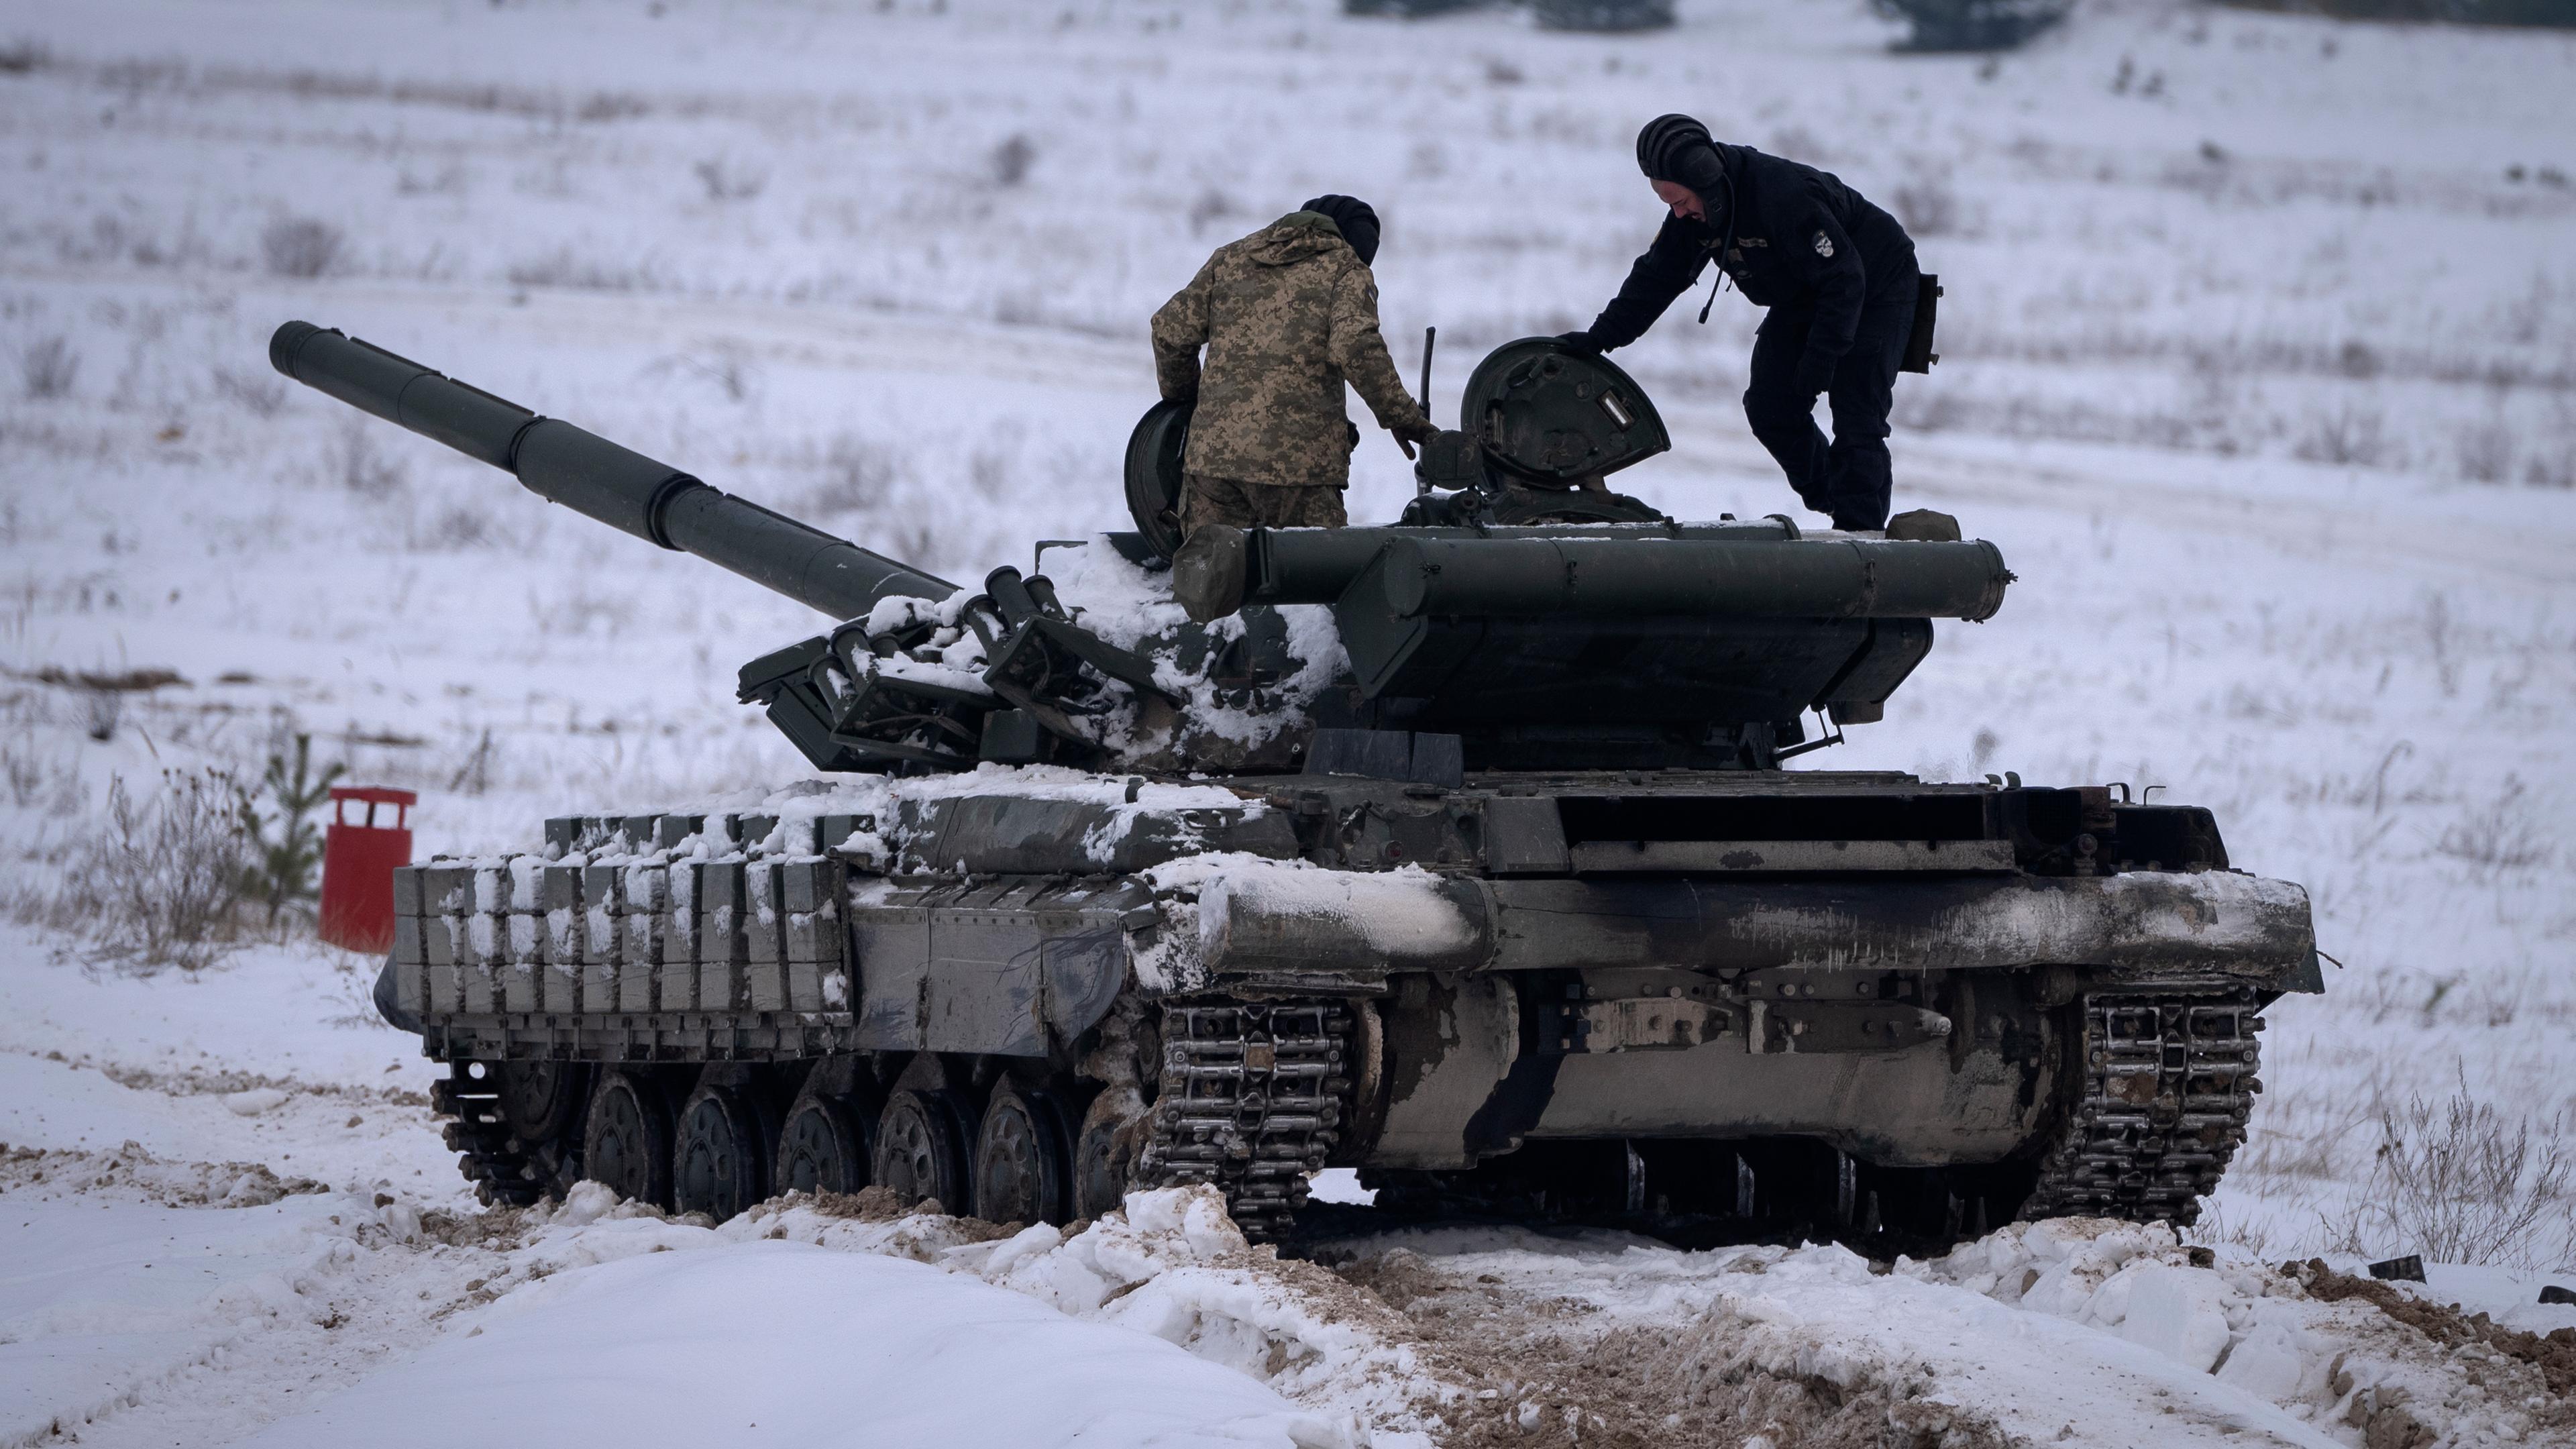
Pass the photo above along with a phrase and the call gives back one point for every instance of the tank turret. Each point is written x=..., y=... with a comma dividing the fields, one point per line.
x=1593, y=633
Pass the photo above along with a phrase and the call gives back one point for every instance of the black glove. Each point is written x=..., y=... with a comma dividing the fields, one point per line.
x=1582, y=342
x=1410, y=431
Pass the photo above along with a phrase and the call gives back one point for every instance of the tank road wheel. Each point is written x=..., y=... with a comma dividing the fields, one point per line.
x=824, y=1147
x=1104, y=1157
x=543, y=1100
x=628, y=1142
x=921, y=1150
x=715, y=1166
x=1023, y=1164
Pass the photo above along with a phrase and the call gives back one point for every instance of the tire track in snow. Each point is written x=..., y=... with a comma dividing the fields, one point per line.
x=157, y=1301
x=2078, y=1332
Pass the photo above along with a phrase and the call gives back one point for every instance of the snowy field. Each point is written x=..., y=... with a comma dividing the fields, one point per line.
x=2259, y=365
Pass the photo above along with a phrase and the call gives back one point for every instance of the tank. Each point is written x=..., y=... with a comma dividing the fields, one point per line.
x=1458, y=851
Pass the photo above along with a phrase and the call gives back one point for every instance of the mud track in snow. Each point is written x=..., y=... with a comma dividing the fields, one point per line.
x=1541, y=1368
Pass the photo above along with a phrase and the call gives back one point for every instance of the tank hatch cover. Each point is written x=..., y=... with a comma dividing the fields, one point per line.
x=1154, y=452
x=1553, y=415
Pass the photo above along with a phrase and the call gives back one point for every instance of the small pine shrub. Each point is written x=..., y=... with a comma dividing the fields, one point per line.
x=285, y=844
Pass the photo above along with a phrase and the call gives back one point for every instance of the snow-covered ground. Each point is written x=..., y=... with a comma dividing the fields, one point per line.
x=2259, y=364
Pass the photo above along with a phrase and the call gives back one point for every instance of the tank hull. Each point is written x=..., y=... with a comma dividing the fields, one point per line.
x=1850, y=988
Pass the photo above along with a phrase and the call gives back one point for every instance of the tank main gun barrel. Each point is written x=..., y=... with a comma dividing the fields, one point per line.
x=595, y=477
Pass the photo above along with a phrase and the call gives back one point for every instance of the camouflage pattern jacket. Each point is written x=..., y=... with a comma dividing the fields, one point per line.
x=1286, y=314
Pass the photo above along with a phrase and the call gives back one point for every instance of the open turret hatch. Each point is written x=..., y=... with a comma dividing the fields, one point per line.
x=1554, y=416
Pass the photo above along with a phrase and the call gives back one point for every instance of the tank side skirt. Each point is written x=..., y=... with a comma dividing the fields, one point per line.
x=2214, y=927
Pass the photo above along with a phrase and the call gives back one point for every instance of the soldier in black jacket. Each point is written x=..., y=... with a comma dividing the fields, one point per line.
x=1838, y=276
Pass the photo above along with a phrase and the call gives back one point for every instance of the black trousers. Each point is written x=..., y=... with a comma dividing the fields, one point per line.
x=1847, y=477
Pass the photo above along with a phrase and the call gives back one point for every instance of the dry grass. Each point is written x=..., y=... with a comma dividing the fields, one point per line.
x=582, y=609
x=726, y=368
x=2501, y=836
x=47, y=368
x=1211, y=207
x=34, y=782
x=859, y=474
x=300, y=246
x=2349, y=437
x=1010, y=161
x=2460, y=1182
x=727, y=179
x=451, y=529
x=350, y=459
x=103, y=710
x=160, y=883
x=2483, y=451
x=1928, y=205
x=563, y=267
x=261, y=397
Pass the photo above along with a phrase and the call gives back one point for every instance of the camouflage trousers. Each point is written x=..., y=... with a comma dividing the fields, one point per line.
x=1206, y=500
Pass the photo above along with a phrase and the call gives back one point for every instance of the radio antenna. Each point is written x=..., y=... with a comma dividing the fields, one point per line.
x=1430, y=336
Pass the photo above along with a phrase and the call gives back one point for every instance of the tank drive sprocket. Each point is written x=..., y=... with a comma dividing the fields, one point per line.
x=1252, y=1100
x=2167, y=1085
x=510, y=1124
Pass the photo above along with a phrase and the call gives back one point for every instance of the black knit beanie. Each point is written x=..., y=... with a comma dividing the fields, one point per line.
x=1677, y=149
x=1358, y=222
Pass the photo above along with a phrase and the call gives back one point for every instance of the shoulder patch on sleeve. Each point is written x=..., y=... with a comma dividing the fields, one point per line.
x=1824, y=245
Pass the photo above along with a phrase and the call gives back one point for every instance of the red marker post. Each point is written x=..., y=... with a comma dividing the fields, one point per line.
x=358, y=860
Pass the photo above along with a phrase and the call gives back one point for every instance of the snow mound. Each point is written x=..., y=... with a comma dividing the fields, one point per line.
x=254, y=1101
x=1172, y=1264
x=2078, y=1332
x=786, y=1342
x=2326, y=1358
x=1171, y=1267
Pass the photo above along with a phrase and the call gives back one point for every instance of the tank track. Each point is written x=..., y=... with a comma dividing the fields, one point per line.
x=2168, y=1084
x=1253, y=1098
x=505, y=1171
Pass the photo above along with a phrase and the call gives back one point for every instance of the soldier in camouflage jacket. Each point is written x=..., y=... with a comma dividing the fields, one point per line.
x=1287, y=314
